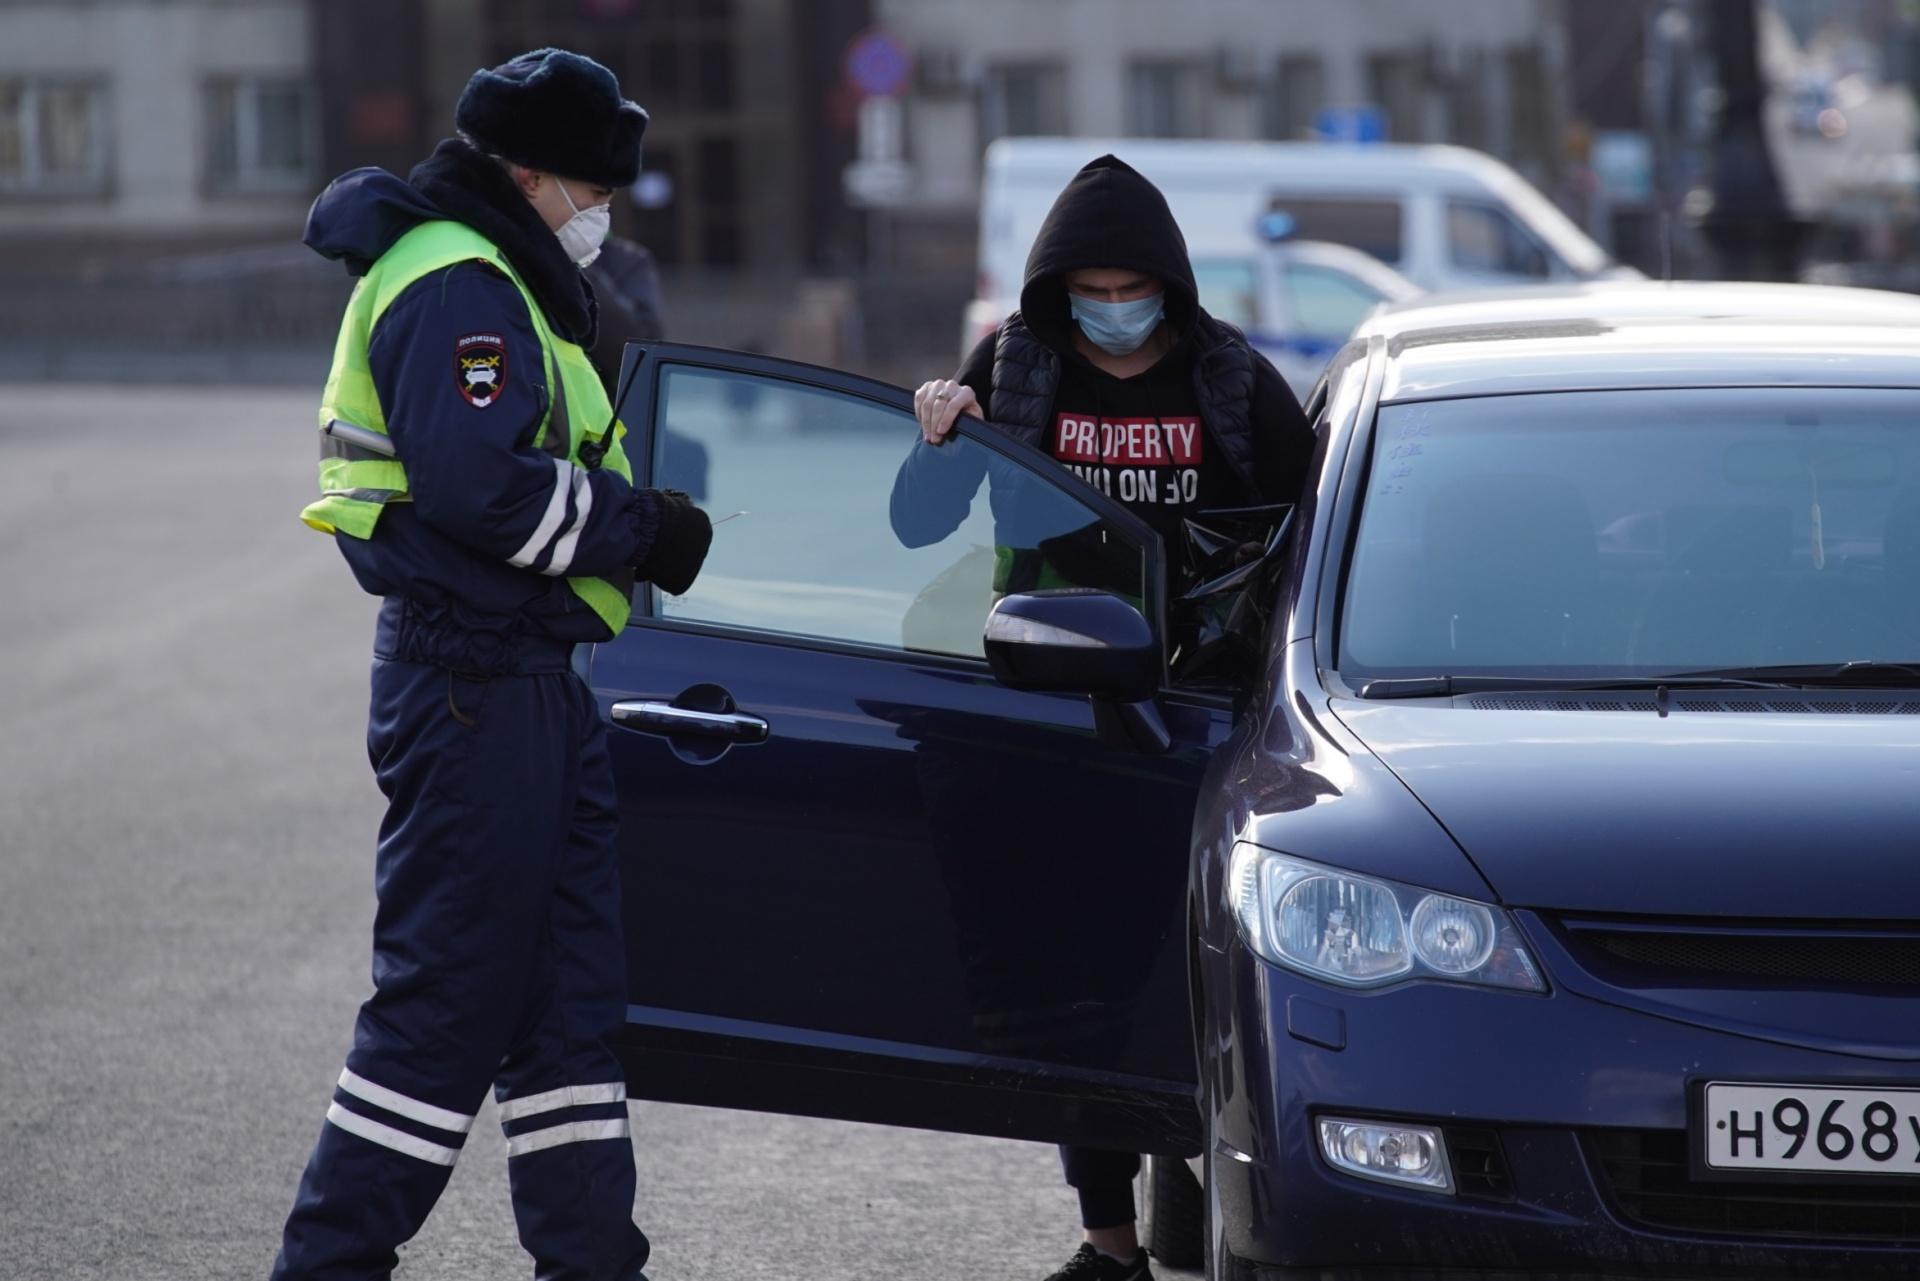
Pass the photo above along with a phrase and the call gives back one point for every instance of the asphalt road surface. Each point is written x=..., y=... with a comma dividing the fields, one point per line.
x=186, y=829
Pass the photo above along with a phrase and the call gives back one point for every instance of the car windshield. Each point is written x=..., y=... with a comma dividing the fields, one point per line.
x=1637, y=533
x=1228, y=290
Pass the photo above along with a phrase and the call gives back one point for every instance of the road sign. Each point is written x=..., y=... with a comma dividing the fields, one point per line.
x=1366, y=123
x=1623, y=162
x=882, y=130
x=880, y=177
x=879, y=64
x=877, y=184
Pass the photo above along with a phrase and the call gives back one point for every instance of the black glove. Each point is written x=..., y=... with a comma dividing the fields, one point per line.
x=679, y=545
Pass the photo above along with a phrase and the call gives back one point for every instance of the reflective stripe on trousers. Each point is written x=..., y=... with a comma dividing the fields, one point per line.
x=499, y=838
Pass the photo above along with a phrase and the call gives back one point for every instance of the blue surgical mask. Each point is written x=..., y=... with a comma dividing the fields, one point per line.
x=1118, y=328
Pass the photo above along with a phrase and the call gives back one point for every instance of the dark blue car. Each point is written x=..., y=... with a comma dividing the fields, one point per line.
x=1533, y=889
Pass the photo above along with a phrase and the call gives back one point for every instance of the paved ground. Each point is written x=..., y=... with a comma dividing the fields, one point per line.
x=185, y=831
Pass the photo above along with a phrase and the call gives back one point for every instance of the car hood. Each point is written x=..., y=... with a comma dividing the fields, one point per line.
x=1735, y=814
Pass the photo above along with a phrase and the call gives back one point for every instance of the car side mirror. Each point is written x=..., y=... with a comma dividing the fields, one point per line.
x=1073, y=641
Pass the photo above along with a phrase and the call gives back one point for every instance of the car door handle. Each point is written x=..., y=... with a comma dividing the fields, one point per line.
x=665, y=718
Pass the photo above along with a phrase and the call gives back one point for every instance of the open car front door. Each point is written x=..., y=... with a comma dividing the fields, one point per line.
x=862, y=879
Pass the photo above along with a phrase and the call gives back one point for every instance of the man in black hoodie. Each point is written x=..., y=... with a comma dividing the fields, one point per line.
x=1113, y=368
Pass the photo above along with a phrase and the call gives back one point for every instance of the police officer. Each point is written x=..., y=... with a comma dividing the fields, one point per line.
x=492, y=508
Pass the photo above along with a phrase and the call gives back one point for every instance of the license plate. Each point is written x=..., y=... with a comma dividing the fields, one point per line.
x=1812, y=1129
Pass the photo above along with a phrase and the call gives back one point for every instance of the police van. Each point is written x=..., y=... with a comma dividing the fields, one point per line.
x=1442, y=217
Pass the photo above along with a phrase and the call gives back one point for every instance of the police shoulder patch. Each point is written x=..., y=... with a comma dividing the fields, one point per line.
x=480, y=368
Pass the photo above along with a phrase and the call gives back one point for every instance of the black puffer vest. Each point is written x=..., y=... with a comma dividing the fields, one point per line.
x=1026, y=377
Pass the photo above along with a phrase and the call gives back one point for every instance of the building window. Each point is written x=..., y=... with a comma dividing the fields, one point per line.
x=259, y=136
x=1166, y=100
x=660, y=222
x=694, y=65
x=1024, y=100
x=675, y=57
x=1394, y=86
x=1467, y=102
x=1534, y=125
x=53, y=137
x=713, y=74
x=717, y=186
x=1299, y=91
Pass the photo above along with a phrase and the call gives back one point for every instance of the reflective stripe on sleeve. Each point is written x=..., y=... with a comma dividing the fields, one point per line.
x=549, y=519
x=568, y=1132
x=388, y=1137
x=570, y=541
x=567, y=1096
x=400, y=1105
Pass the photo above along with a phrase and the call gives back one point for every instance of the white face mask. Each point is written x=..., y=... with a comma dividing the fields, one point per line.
x=582, y=235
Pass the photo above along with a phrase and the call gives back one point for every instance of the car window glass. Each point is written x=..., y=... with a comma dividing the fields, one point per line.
x=1228, y=290
x=1371, y=226
x=1486, y=238
x=1638, y=532
x=1326, y=303
x=853, y=530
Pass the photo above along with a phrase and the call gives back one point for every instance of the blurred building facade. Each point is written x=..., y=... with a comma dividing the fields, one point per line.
x=133, y=121
x=740, y=198
x=210, y=118
x=157, y=120
x=150, y=142
x=1840, y=121
x=1487, y=74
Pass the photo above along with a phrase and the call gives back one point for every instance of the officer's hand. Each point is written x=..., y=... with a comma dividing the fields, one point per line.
x=679, y=545
x=939, y=404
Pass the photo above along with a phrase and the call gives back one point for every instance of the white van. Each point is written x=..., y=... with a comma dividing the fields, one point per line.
x=1444, y=217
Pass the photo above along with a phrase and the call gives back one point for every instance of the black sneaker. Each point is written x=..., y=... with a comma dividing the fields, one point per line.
x=1088, y=1264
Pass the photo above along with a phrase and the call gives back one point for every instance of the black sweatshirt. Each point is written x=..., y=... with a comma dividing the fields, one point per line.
x=1141, y=440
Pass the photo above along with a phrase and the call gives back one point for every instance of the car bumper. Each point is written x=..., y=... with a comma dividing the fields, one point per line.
x=1568, y=1089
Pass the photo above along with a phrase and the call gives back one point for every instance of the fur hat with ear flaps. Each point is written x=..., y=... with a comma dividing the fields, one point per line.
x=555, y=111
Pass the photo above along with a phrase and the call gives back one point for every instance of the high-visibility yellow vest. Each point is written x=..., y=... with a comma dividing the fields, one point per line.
x=356, y=483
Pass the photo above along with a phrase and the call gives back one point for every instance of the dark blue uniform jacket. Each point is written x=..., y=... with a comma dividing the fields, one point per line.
x=479, y=557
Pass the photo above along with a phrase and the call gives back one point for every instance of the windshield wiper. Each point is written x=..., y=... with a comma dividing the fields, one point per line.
x=1440, y=686
x=1856, y=672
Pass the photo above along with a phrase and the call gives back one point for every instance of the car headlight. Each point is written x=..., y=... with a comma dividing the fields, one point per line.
x=1364, y=932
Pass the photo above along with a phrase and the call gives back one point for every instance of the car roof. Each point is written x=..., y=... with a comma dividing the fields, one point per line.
x=1622, y=334
x=1389, y=163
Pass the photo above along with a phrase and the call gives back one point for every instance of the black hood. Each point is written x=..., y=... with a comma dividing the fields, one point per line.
x=360, y=214
x=1108, y=216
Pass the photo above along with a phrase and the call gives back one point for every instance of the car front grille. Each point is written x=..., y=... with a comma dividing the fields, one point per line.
x=1647, y=1179
x=1675, y=955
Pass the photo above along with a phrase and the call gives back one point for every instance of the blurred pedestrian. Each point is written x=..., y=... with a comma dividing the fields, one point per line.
x=626, y=288
x=478, y=485
x=1113, y=368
